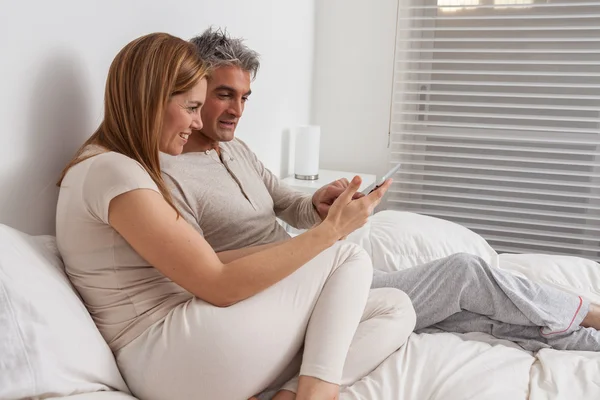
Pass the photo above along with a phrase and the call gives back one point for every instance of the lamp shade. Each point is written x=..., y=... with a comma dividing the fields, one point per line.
x=306, y=155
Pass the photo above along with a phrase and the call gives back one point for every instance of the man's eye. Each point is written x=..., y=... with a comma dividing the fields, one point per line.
x=245, y=99
x=224, y=96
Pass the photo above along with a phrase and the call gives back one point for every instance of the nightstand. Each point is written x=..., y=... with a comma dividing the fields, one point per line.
x=325, y=176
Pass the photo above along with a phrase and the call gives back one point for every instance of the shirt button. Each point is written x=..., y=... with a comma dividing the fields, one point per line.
x=207, y=152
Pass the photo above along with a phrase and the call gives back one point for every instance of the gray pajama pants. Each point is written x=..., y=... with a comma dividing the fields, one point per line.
x=462, y=293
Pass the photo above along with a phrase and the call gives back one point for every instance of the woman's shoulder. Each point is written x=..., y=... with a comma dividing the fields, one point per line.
x=100, y=157
x=103, y=169
x=104, y=162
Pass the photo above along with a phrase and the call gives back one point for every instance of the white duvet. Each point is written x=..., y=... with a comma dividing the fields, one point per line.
x=445, y=366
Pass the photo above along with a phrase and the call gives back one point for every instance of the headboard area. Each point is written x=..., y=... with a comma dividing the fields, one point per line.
x=50, y=112
x=49, y=106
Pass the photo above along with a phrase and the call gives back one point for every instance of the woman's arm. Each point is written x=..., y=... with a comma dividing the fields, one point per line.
x=232, y=255
x=172, y=246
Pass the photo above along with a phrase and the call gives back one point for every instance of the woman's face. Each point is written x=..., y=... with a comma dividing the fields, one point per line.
x=182, y=115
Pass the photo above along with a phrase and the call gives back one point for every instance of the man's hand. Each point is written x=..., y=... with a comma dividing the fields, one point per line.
x=325, y=196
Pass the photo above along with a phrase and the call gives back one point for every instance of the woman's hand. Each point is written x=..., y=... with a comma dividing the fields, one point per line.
x=328, y=194
x=346, y=215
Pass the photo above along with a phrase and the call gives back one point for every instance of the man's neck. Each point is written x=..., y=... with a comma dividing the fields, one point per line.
x=200, y=143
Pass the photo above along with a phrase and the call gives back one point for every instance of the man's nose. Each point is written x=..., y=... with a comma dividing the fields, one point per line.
x=236, y=109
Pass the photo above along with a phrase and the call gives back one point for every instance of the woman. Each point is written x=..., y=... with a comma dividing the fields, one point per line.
x=182, y=320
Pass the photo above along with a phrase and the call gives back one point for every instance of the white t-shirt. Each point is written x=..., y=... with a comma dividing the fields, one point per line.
x=123, y=293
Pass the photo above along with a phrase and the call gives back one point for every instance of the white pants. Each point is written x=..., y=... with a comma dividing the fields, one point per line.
x=200, y=351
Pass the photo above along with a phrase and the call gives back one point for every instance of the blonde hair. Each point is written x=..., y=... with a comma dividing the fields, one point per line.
x=141, y=80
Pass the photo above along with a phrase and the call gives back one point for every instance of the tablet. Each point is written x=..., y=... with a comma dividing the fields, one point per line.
x=388, y=175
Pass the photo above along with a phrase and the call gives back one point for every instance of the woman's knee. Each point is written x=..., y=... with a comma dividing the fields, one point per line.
x=350, y=255
x=394, y=304
x=403, y=310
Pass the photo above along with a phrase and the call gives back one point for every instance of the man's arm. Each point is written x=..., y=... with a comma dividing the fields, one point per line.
x=293, y=207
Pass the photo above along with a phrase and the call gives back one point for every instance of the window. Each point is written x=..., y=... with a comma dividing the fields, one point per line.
x=456, y=5
x=511, y=3
x=496, y=119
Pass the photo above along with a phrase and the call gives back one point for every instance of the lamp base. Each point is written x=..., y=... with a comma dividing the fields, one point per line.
x=307, y=177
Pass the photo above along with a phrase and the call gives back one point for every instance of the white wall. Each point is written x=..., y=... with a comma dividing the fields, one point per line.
x=54, y=60
x=354, y=53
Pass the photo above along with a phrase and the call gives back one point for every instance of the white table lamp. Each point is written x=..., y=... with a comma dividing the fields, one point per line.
x=306, y=155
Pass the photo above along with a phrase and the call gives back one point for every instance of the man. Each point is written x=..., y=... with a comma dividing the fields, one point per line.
x=222, y=189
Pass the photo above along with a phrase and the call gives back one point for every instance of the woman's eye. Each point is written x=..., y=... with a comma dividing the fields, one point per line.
x=193, y=110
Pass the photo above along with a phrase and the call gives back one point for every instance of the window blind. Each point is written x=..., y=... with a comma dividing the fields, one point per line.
x=495, y=118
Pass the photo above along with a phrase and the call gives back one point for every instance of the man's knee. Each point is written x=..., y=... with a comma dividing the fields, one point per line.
x=465, y=263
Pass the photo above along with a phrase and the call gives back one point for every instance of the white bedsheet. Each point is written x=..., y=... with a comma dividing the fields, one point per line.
x=97, y=396
x=558, y=375
x=445, y=366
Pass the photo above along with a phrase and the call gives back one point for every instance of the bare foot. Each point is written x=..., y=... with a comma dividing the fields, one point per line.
x=310, y=388
x=592, y=319
x=285, y=395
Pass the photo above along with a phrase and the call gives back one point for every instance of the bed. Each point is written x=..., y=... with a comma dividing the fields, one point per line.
x=448, y=366
x=49, y=347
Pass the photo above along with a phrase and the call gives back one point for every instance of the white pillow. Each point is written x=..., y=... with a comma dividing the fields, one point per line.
x=397, y=240
x=575, y=275
x=49, y=345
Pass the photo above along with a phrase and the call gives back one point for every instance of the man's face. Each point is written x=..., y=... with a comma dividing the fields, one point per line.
x=227, y=92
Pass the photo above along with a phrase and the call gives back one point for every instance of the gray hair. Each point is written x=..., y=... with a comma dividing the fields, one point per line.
x=217, y=49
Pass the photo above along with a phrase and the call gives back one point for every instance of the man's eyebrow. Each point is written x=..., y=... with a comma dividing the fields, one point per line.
x=225, y=87
x=230, y=89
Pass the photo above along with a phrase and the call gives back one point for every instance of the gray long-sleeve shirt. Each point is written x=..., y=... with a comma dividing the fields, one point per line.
x=233, y=200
